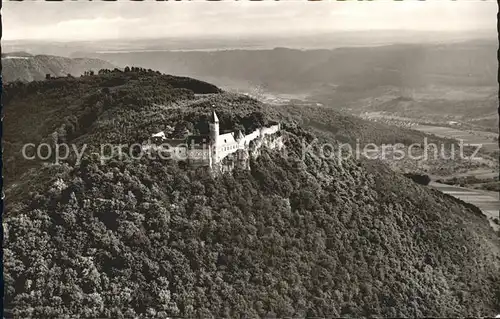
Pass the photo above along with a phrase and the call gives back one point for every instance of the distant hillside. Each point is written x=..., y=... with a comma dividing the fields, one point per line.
x=21, y=66
x=453, y=81
x=328, y=123
x=281, y=69
x=16, y=54
x=294, y=237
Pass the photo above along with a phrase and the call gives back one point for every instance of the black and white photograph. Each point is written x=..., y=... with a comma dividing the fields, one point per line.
x=250, y=159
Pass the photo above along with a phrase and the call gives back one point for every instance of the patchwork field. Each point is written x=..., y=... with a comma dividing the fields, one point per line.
x=488, y=202
x=487, y=139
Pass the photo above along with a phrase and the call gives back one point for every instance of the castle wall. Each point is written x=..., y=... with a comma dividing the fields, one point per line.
x=252, y=136
x=199, y=157
x=224, y=145
x=277, y=143
x=177, y=153
x=270, y=130
x=259, y=136
x=228, y=149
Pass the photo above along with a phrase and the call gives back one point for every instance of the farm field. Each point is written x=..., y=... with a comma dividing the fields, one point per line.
x=487, y=139
x=488, y=202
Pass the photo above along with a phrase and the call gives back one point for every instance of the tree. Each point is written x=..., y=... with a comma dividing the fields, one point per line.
x=419, y=178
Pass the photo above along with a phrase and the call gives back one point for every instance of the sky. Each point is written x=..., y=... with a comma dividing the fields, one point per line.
x=98, y=20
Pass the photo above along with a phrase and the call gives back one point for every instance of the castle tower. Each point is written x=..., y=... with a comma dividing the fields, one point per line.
x=213, y=127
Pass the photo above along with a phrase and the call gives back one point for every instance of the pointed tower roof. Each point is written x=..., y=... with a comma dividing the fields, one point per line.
x=215, y=119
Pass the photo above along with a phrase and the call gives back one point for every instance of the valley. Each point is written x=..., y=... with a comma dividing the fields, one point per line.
x=487, y=140
x=467, y=182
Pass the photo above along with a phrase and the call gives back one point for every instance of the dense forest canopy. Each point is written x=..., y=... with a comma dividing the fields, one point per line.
x=291, y=237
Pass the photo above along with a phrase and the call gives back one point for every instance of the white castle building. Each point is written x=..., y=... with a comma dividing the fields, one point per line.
x=215, y=150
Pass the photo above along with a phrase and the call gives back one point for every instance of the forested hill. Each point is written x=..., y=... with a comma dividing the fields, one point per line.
x=290, y=238
x=127, y=107
x=21, y=66
x=108, y=107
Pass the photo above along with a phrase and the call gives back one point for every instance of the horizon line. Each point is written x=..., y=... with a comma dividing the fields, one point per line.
x=256, y=35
